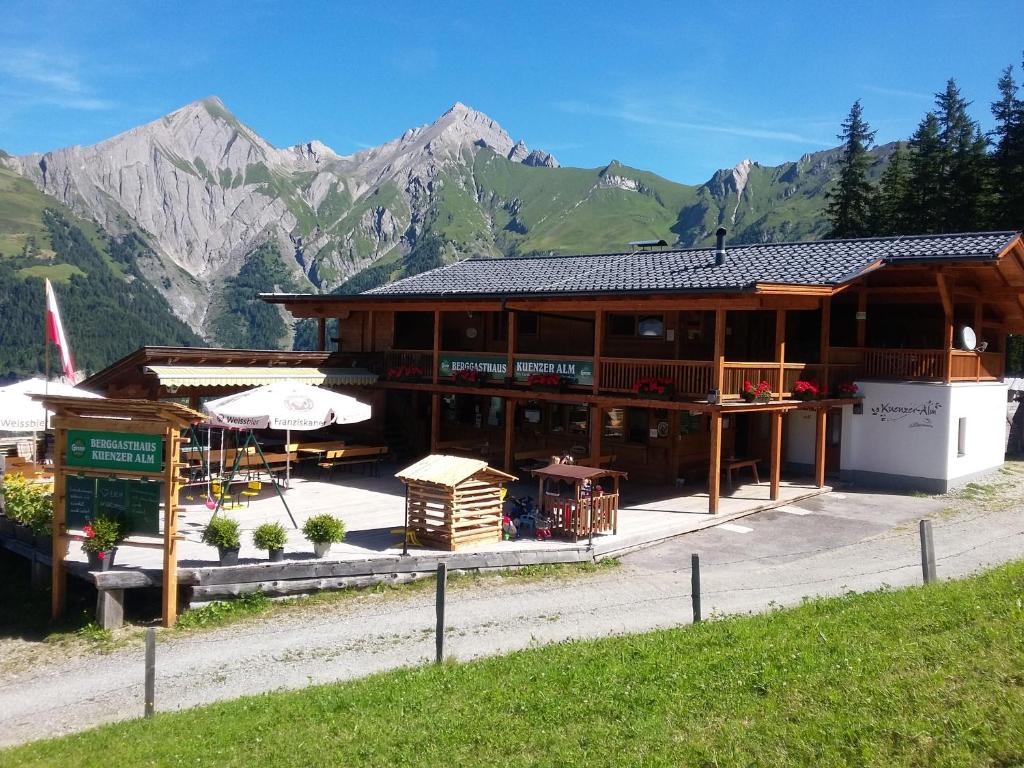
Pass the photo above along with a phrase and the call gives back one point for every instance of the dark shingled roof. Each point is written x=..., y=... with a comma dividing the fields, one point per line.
x=814, y=263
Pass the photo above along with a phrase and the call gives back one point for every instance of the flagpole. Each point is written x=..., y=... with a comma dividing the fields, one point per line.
x=46, y=341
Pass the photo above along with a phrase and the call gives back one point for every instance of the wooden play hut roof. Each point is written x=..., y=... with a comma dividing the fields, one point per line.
x=453, y=501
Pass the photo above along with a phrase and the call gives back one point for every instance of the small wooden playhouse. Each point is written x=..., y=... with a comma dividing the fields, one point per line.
x=452, y=502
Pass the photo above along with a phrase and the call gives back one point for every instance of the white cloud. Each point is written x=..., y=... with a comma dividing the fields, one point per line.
x=644, y=118
x=32, y=76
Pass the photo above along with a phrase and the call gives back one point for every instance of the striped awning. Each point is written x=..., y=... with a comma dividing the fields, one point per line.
x=254, y=376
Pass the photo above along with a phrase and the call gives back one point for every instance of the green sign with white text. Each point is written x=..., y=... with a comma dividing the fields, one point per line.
x=115, y=450
x=576, y=371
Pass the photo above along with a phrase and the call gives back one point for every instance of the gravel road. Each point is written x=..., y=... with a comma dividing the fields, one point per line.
x=824, y=546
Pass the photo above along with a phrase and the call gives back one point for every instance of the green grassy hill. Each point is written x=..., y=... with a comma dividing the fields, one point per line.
x=108, y=307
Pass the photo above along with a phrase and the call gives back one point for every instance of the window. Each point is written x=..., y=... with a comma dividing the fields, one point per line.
x=527, y=324
x=961, y=437
x=645, y=326
x=622, y=325
x=651, y=326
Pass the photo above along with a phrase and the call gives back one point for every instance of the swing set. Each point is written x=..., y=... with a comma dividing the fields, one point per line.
x=217, y=490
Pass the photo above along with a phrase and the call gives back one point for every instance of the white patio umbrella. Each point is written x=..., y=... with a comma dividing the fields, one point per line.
x=20, y=413
x=286, y=405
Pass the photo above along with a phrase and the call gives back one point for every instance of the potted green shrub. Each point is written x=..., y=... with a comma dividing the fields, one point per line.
x=223, y=533
x=29, y=506
x=271, y=537
x=102, y=535
x=323, y=531
x=42, y=523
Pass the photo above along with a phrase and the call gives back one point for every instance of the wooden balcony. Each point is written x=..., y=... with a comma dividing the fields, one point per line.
x=693, y=379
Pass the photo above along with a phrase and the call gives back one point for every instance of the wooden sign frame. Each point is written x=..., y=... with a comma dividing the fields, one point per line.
x=131, y=417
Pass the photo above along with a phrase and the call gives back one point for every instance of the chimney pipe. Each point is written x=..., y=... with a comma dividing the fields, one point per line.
x=720, y=246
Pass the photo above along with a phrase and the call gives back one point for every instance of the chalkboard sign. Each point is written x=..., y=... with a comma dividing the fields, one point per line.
x=136, y=502
x=80, y=493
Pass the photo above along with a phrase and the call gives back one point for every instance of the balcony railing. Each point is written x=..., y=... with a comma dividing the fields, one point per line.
x=692, y=378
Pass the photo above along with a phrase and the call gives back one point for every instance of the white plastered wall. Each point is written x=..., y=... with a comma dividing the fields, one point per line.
x=907, y=434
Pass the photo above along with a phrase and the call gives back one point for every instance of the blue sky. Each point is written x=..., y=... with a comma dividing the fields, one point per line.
x=680, y=88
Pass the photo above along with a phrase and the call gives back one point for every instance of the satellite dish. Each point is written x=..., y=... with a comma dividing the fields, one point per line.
x=968, y=340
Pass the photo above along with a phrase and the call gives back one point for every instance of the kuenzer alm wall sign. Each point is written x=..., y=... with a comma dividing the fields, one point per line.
x=115, y=450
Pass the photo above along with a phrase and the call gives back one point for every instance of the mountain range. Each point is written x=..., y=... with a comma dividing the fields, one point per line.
x=213, y=213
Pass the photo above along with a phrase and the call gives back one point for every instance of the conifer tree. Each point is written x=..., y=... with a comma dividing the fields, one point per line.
x=849, y=204
x=965, y=186
x=921, y=210
x=1008, y=155
x=890, y=197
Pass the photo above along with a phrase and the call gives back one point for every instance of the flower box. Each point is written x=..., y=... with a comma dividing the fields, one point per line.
x=760, y=393
x=546, y=382
x=409, y=374
x=470, y=377
x=654, y=389
x=806, y=390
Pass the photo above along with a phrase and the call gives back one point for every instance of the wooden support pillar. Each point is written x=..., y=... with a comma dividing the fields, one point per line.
x=510, y=357
x=979, y=319
x=780, y=348
x=862, y=320
x=819, y=446
x=510, y=421
x=435, y=419
x=715, y=470
x=437, y=352
x=321, y=334
x=172, y=447
x=596, y=427
x=719, y=354
x=370, y=343
x=776, y=453
x=947, y=308
x=824, y=349
x=58, y=578
x=598, y=344
x=673, y=449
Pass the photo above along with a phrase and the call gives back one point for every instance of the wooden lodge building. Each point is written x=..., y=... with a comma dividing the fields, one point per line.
x=561, y=344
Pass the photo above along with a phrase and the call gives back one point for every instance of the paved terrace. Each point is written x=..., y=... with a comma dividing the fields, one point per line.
x=373, y=511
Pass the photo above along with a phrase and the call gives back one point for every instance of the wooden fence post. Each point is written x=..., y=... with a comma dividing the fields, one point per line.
x=150, y=671
x=442, y=581
x=695, y=586
x=927, y=552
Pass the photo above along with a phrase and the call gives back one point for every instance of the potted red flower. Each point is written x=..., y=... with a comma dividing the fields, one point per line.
x=756, y=393
x=102, y=536
x=805, y=390
x=545, y=382
x=655, y=388
x=470, y=377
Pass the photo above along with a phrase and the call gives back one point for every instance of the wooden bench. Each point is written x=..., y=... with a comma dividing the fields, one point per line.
x=355, y=454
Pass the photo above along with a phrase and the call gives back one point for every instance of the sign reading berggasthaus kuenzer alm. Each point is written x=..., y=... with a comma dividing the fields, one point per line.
x=115, y=450
x=579, y=371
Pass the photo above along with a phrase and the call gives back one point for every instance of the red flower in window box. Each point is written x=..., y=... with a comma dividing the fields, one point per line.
x=405, y=373
x=849, y=389
x=546, y=382
x=656, y=387
x=470, y=377
x=760, y=393
x=806, y=390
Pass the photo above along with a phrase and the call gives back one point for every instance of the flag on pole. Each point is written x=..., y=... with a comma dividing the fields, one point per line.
x=55, y=332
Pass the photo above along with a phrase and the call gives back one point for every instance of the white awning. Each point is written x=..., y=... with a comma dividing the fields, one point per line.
x=254, y=376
